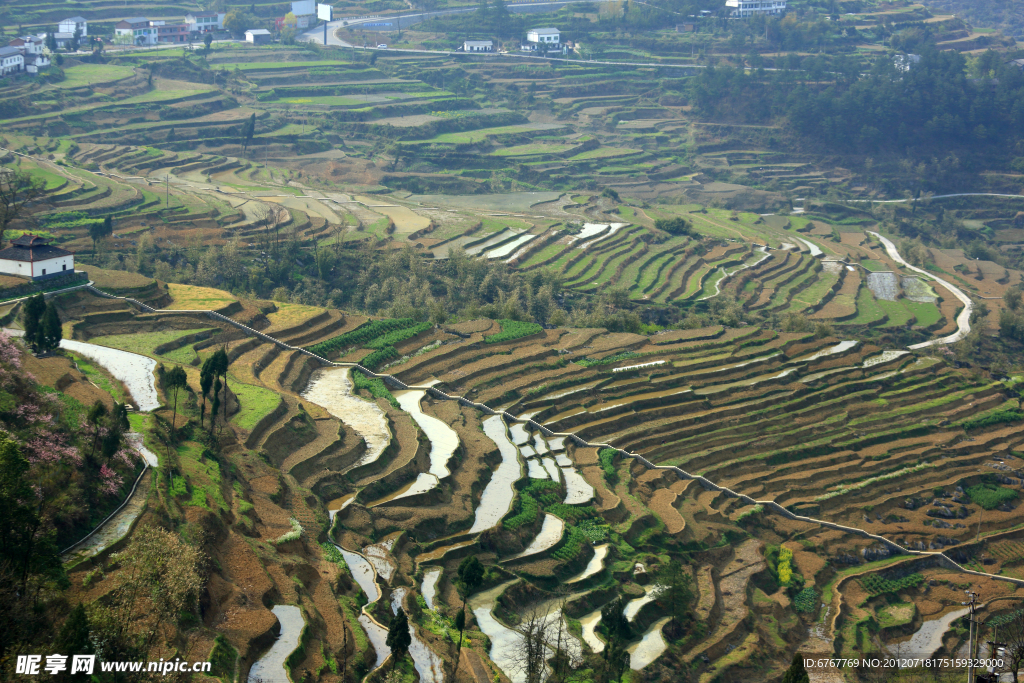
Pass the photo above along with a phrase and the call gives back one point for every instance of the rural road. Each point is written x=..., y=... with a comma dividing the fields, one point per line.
x=937, y=196
x=963, y=320
x=398, y=21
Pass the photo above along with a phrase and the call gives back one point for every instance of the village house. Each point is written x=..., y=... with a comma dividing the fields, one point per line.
x=31, y=48
x=258, y=36
x=478, y=46
x=749, y=8
x=204, y=22
x=170, y=33
x=547, y=37
x=11, y=61
x=32, y=256
x=73, y=24
x=137, y=31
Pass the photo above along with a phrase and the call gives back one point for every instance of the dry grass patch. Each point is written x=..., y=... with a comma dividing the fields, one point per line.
x=191, y=297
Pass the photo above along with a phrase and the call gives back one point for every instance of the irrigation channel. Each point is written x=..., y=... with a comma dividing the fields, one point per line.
x=497, y=496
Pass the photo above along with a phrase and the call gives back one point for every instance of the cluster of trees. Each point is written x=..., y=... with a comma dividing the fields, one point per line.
x=931, y=106
x=1011, y=317
x=215, y=368
x=43, y=330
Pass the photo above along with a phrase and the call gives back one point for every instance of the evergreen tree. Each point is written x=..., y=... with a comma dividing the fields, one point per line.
x=174, y=381
x=796, y=673
x=35, y=308
x=399, y=637
x=73, y=638
x=470, y=576
x=51, y=331
x=248, y=130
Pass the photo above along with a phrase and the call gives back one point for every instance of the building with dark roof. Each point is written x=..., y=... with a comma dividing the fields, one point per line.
x=32, y=256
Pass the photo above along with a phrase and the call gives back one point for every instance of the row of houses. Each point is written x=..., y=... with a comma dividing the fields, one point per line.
x=25, y=54
x=143, y=31
x=536, y=39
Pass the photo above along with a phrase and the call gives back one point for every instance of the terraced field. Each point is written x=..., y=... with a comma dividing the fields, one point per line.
x=779, y=420
x=868, y=451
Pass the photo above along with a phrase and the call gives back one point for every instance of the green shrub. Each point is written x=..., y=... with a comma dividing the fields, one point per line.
x=806, y=601
x=990, y=496
x=607, y=458
x=594, y=531
x=511, y=330
x=993, y=418
x=676, y=225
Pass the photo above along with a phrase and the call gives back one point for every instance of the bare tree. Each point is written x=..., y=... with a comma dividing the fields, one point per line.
x=529, y=657
x=17, y=191
x=1012, y=634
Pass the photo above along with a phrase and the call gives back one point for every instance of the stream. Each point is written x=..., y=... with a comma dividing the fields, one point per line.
x=270, y=667
x=331, y=389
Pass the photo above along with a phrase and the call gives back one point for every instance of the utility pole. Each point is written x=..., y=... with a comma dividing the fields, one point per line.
x=167, y=191
x=973, y=634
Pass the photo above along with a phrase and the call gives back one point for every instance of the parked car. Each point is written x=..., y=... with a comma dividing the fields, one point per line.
x=382, y=46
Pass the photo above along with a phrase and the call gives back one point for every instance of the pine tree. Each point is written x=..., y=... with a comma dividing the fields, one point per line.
x=796, y=673
x=52, y=332
x=174, y=381
x=35, y=308
x=399, y=637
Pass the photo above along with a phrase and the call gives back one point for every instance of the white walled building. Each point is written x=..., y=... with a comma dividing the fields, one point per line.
x=478, y=46
x=71, y=24
x=749, y=8
x=32, y=256
x=137, y=31
x=203, y=22
x=543, y=36
x=11, y=60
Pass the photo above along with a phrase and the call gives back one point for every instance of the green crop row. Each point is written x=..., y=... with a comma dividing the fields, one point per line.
x=392, y=338
x=625, y=355
x=569, y=513
x=511, y=330
x=362, y=335
x=529, y=509
x=375, y=387
x=573, y=545
x=380, y=357
x=993, y=418
x=876, y=585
